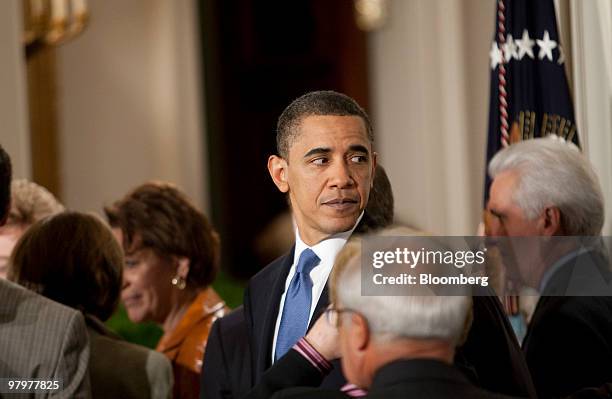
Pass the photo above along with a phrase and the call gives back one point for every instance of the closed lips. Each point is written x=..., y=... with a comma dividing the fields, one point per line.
x=341, y=202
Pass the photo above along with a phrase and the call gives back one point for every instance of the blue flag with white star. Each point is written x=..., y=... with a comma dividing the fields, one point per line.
x=529, y=91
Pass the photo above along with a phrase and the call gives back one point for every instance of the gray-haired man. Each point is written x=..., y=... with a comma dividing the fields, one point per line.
x=545, y=188
x=392, y=346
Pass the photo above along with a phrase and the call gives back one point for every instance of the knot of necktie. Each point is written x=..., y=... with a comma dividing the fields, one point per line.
x=308, y=261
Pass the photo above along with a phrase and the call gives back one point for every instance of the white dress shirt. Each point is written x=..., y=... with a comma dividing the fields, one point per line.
x=326, y=250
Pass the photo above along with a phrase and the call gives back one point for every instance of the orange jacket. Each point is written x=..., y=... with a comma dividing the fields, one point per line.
x=185, y=345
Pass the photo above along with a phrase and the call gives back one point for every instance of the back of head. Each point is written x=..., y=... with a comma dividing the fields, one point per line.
x=553, y=172
x=380, y=210
x=419, y=314
x=315, y=103
x=157, y=215
x=72, y=258
x=6, y=172
x=30, y=203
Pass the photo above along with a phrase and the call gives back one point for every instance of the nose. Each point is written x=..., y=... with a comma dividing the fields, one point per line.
x=493, y=226
x=341, y=176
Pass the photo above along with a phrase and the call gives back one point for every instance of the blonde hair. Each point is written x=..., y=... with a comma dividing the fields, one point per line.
x=30, y=203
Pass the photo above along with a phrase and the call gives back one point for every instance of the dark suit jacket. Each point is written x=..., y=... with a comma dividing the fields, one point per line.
x=226, y=372
x=417, y=378
x=491, y=355
x=119, y=369
x=568, y=345
x=261, y=303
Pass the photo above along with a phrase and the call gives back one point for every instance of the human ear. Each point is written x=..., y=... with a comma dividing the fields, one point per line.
x=277, y=166
x=182, y=268
x=550, y=221
x=360, y=332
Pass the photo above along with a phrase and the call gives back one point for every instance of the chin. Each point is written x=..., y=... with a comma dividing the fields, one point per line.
x=135, y=317
x=341, y=227
x=340, y=224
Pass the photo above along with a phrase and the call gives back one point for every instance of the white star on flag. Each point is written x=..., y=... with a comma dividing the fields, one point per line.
x=561, y=58
x=546, y=47
x=525, y=45
x=496, y=55
x=510, y=49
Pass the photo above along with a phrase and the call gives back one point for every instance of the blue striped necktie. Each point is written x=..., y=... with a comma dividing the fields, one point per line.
x=296, y=310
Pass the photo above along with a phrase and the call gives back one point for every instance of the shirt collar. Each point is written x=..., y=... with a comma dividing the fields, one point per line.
x=330, y=245
x=557, y=265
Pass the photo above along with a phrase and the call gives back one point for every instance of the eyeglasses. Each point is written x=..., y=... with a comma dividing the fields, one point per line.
x=332, y=315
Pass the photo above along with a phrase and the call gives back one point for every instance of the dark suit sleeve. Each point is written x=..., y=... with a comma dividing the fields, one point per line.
x=292, y=370
x=214, y=380
x=565, y=352
x=491, y=351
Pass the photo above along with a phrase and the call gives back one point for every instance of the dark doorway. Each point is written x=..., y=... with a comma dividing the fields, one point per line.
x=258, y=56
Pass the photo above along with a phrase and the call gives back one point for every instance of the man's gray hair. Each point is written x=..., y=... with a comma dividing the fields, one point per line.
x=419, y=314
x=552, y=172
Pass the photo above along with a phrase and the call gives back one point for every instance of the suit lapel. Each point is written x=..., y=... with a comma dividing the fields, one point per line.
x=321, y=305
x=270, y=292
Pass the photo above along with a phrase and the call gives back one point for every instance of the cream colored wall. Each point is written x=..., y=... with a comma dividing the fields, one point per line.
x=591, y=33
x=130, y=108
x=430, y=90
x=129, y=102
x=14, y=135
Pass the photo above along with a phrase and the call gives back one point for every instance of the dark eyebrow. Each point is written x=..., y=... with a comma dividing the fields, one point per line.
x=317, y=151
x=325, y=150
x=359, y=148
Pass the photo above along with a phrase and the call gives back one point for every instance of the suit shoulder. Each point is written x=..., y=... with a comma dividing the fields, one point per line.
x=42, y=338
x=121, y=364
x=28, y=305
x=578, y=307
x=270, y=270
x=234, y=320
x=120, y=348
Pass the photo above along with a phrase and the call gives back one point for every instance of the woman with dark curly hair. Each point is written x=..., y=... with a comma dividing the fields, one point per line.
x=73, y=258
x=172, y=256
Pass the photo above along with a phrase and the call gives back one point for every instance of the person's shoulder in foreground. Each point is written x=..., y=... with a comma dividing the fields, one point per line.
x=226, y=372
x=135, y=371
x=406, y=351
x=43, y=339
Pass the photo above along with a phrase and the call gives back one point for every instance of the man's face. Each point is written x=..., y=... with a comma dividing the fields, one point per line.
x=350, y=337
x=522, y=257
x=328, y=175
x=507, y=218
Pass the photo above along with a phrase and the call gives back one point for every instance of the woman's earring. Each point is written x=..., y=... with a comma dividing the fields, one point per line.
x=179, y=282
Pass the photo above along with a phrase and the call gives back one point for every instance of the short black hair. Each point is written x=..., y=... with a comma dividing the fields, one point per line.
x=6, y=173
x=326, y=102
